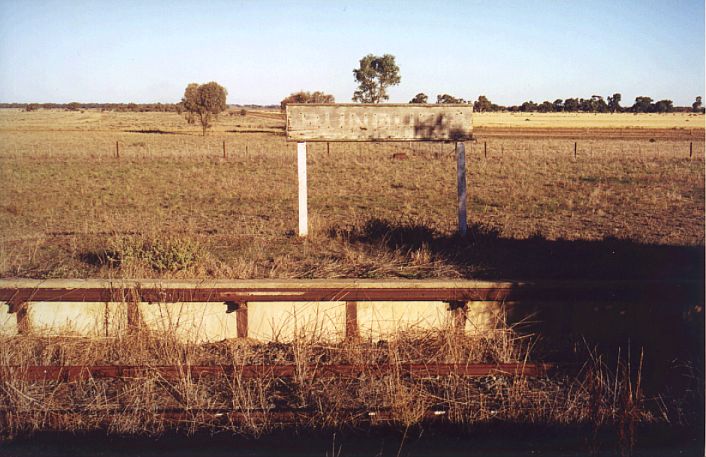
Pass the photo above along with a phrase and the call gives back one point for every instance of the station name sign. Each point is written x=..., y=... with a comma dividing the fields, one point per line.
x=384, y=122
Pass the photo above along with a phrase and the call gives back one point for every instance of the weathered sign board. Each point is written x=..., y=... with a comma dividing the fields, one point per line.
x=349, y=122
x=356, y=122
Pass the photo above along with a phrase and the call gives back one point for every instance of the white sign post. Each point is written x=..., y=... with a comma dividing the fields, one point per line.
x=301, y=177
x=386, y=122
x=461, y=188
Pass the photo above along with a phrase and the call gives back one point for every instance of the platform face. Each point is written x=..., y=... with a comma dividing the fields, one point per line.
x=279, y=310
x=373, y=122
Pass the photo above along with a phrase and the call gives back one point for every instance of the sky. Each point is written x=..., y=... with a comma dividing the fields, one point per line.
x=261, y=51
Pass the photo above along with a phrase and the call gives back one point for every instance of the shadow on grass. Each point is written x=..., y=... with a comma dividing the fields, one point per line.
x=152, y=131
x=100, y=258
x=272, y=131
x=669, y=330
x=484, y=254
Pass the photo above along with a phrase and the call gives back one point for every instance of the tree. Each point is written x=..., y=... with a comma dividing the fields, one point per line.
x=696, y=106
x=307, y=97
x=528, y=106
x=598, y=105
x=420, y=98
x=189, y=103
x=642, y=105
x=446, y=98
x=664, y=106
x=482, y=104
x=585, y=105
x=374, y=76
x=545, y=107
x=494, y=107
x=571, y=105
x=614, y=103
x=205, y=101
x=558, y=105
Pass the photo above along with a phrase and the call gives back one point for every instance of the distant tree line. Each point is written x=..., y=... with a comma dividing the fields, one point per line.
x=252, y=106
x=76, y=106
x=307, y=97
x=120, y=107
x=595, y=104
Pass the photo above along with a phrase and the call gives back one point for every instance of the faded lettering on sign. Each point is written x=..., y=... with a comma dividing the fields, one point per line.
x=310, y=122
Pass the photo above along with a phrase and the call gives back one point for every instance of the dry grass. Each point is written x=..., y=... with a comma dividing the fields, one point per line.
x=67, y=202
x=590, y=120
x=596, y=396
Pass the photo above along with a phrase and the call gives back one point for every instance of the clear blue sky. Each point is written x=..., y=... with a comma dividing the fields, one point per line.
x=510, y=51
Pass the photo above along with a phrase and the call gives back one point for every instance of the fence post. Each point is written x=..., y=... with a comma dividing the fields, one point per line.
x=459, y=310
x=225, y=154
x=241, y=320
x=134, y=319
x=301, y=175
x=21, y=311
x=461, y=187
x=352, y=329
x=575, y=146
x=691, y=149
x=117, y=150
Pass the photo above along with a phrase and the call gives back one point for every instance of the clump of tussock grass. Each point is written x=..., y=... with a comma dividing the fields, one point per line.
x=160, y=254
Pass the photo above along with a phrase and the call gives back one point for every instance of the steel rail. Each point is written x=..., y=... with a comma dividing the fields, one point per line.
x=74, y=373
x=106, y=416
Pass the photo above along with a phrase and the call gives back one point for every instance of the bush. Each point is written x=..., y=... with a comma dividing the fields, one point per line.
x=170, y=254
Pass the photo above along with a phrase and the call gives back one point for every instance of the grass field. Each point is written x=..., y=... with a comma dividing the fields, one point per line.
x=590, y=120
x=95, y=120
x=172, y=205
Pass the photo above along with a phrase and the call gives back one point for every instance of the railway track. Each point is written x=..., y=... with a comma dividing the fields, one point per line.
x=75, y=373
x=106, y=417
x=107, y=414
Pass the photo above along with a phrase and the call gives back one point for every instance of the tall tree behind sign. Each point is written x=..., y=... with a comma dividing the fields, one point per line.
x=374, y=76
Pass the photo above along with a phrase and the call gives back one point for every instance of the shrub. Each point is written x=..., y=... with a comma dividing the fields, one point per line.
x=163, y=255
